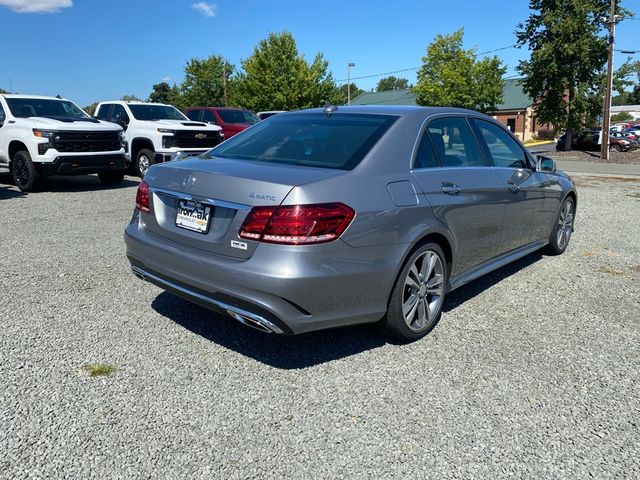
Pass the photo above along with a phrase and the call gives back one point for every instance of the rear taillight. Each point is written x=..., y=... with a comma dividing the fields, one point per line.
x=297, y=224
x=142, y=197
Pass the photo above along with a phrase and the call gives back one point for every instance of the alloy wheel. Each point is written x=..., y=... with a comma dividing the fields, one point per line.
x=565, y=225
x=143, y=164
x=423, y=291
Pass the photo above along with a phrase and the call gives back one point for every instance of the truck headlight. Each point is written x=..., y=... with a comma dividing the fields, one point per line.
x=48, y=134
x=166, y=130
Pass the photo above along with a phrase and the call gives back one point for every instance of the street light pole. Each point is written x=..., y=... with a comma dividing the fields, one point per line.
x=606, y=120
x=349, y=65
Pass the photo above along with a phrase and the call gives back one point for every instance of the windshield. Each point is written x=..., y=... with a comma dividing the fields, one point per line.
x=338, y=141
x=49, y=108
x=238, y=116
x=156, y=112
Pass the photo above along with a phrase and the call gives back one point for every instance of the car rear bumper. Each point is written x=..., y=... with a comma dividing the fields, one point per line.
x=335, y=286
x=81, y=164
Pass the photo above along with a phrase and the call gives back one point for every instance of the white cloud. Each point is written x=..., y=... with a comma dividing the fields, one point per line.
x=36, y=6
x=165, y=79
x=207, y=9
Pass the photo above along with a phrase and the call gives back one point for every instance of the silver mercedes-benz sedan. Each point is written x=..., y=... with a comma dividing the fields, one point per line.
x=344, y=215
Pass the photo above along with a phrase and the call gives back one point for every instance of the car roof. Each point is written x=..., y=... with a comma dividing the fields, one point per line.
x=400, y=110
x=35, y=97
x=135, y=102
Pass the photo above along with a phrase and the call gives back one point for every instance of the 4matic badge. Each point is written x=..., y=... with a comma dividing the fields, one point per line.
x=262, y=196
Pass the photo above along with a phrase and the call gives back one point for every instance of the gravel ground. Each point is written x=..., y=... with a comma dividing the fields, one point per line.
x=533, y=371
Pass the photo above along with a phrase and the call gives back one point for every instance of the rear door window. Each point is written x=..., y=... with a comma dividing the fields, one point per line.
x=426, y=156
x=454, y=142
x=504, y=150
x=336, y=141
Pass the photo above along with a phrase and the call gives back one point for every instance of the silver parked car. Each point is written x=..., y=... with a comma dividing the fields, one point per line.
x=338, y=216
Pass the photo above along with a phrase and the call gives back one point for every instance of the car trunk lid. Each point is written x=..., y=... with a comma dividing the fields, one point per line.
x=226, y=190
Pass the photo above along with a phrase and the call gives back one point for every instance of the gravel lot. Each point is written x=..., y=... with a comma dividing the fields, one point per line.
x=533, y=372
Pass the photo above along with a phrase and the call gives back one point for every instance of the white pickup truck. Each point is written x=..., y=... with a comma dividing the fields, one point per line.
x=156, y=132
x=41, y=136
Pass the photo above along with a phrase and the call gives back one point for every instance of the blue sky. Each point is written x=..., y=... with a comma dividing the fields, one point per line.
x=90, y=50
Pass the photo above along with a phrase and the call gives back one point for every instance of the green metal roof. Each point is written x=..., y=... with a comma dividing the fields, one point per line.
x=513, y=97
x=389, y=97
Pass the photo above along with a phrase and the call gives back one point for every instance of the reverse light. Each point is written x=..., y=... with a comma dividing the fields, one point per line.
x=142, y=197
x=297, y=224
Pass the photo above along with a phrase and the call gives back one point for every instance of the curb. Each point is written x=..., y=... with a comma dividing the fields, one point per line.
x=533, y=144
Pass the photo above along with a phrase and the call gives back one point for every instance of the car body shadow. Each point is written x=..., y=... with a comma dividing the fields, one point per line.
x=71, y=183
x=476, y=287
x=279, y=351
x=310, y=349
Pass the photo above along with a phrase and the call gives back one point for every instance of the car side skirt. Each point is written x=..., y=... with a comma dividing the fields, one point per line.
x=494, y=264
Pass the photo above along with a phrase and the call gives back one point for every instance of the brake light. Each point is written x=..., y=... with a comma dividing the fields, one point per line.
x=142, y=197
x=297, y=224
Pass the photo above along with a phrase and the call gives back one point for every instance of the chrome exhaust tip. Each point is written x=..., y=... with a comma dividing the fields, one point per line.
x=249, y=322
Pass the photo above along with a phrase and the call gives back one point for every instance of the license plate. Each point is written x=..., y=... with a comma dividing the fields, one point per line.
x=193, y=216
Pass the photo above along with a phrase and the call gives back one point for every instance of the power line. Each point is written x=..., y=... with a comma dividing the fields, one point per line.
x=414, y=68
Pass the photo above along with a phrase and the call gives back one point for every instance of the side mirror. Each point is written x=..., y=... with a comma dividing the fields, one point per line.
x=545, y=164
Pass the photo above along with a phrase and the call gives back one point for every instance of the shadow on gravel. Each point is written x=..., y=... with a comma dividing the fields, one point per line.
x=72, y=183
x=7, y=193
x=286, y=352
x=470, y=290
x=307, y=350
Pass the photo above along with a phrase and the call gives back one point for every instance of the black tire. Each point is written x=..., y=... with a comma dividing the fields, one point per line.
x=111, y=177
x=24, y=173
x=617, y=148
x=558, y=243
x=395, y=323
x=141, y=165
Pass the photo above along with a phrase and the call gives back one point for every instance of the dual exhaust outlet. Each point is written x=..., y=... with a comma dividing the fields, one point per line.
x=243, y=316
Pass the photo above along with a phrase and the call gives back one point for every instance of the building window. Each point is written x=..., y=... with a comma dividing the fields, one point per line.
x=511, y=124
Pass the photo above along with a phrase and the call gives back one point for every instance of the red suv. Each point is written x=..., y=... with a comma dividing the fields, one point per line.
x=232, y=120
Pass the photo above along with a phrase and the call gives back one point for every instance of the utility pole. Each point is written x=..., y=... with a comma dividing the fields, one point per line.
x=224, y=83
x=349, y=66
x=606, y=117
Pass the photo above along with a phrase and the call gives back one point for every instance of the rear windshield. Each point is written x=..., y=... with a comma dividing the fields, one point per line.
x=338, y=141
x=238, y=116
x=41, y=107
x=156, y=112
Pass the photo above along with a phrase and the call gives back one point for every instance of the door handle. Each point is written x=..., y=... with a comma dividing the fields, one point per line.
x=513, y=187
x=450, y=188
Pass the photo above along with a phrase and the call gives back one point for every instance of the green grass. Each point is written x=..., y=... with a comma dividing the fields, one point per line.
x=611, y=271
x=99, y=369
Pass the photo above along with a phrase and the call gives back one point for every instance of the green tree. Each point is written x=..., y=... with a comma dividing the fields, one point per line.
x=277, y=77
x=455, y=77
x=392, y=83
x=161, y=93
x=340, y=94
x=130, y=98
x=568, y=56
x=621, y=117
x=3, y=91
x=205, y=82
x=91, y=109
